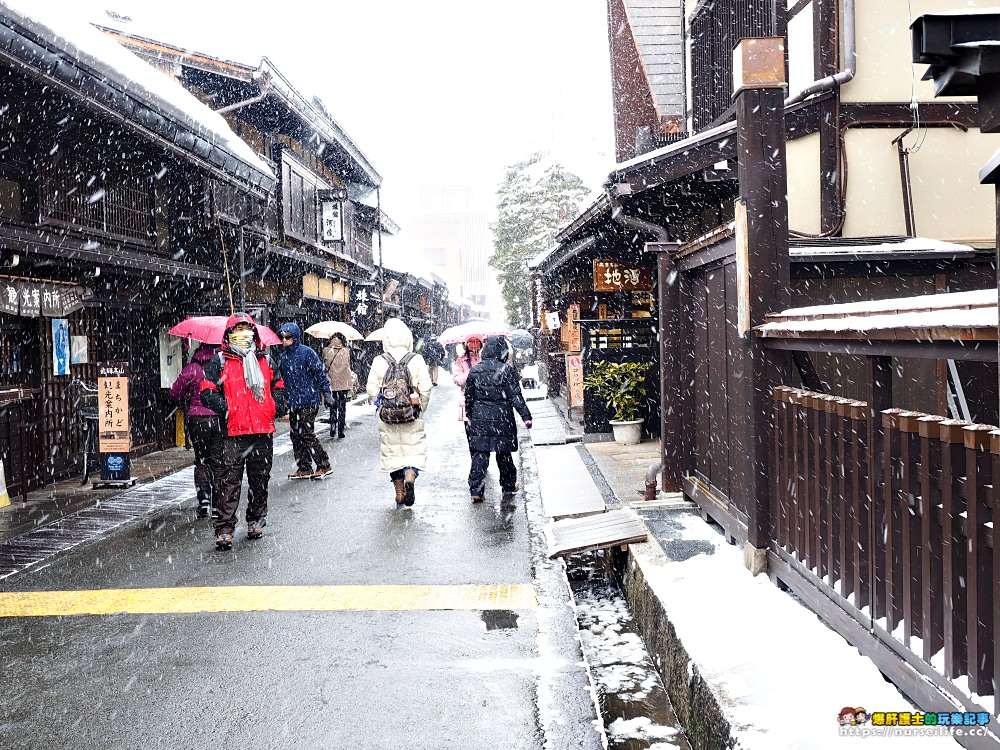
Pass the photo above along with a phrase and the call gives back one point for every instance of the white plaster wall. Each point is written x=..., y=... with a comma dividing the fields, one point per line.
x=802, y=156
x=948, y=201
x=800, y=50
x=885, y=72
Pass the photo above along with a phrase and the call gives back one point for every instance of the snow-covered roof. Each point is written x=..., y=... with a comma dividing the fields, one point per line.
x=136, y=91
x=920, y=247
x=952, y=316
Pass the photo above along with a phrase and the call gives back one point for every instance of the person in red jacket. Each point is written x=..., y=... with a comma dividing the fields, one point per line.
x=244, y=387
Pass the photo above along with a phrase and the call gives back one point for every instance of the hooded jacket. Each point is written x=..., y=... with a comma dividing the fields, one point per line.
x=305, y=377
x=224, y=389
x=401, y=445
x=187, y=387
x=492, y=394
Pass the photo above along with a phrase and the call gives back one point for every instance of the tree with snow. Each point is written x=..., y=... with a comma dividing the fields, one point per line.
x=536, y=199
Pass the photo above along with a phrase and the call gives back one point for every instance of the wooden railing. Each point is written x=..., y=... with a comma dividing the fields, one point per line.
x=905, y=546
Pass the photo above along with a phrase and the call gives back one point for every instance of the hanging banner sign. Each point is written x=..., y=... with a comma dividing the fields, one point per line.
x=363, y=308
x=614, y=276
x=574, y=379
x=332, y=221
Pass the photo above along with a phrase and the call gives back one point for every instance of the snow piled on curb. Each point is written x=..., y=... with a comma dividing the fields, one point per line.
x=779, y=673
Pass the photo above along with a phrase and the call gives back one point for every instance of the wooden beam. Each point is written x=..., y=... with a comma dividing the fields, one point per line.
x=765, y=274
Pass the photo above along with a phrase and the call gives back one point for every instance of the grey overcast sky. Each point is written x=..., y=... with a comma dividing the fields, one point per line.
x=440, y=92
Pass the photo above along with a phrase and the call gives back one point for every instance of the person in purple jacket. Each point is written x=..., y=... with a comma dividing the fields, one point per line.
x=202, y=427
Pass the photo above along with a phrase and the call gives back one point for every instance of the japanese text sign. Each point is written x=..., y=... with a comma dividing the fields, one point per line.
x=112, y=402
x=614, y=276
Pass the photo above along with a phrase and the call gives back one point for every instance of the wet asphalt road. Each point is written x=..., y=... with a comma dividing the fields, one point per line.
x=329, y=679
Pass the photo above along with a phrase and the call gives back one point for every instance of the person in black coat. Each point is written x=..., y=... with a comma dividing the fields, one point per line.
x=492, y=394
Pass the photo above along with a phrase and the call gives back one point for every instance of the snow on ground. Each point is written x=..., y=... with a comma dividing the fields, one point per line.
x=781, y=675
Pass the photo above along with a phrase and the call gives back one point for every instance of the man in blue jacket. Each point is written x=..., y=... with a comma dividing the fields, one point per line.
x=306, y=385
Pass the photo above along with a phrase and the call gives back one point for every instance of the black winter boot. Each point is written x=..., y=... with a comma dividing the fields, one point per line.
x=204, y=500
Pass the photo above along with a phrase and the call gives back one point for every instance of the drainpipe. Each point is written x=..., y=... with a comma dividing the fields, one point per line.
x=262, y=85
x=618, y=214
x=851, y=60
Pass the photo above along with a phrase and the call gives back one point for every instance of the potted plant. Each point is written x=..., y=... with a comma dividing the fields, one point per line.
x=621, y=385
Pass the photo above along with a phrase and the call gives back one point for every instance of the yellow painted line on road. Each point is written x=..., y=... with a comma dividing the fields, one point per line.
x=265, y=599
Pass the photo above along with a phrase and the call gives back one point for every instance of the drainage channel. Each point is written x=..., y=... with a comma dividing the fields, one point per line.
x=635, y=708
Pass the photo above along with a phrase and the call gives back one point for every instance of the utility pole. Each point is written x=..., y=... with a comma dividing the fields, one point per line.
x=381, y=274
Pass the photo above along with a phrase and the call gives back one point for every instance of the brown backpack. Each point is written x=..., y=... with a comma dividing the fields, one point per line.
x=394, y=405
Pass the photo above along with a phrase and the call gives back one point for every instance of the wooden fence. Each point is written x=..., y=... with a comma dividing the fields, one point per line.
x=895, y=525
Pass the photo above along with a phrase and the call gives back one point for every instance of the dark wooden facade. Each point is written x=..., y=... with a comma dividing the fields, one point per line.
x=104, y=197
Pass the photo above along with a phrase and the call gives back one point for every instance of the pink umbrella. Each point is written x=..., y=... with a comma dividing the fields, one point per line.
x=209, y=329
x=481, y=328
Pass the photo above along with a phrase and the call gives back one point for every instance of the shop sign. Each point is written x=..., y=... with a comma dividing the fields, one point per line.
x=574, y=379
x=112, y=394
x=332, y=221
x=614, y=276
x=569, y=334
x=363, y=308
x=34, y=298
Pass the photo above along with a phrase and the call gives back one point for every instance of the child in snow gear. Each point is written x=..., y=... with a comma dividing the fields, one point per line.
x=244, y=387
x=306, y=384
x=402, y=445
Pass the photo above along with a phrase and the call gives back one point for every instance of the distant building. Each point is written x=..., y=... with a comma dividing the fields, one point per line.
x=452, y=239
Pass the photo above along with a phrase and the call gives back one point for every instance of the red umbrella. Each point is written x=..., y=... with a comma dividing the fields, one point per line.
x=209, y=329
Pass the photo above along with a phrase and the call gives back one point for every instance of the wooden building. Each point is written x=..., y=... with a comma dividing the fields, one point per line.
x=107, y=226
x=304, y=257
x=818, y=173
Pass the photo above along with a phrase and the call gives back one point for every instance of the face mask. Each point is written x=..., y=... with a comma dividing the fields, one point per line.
x=242, y=339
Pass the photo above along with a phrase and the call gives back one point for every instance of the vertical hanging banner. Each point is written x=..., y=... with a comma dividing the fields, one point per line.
x=114, y=441
x=574, y=379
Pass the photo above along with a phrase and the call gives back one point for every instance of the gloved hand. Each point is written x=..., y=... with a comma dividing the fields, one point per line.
x=527, y=424
x=328, y=400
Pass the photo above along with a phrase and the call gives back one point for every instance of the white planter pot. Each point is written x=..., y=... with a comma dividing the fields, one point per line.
x=627, y=433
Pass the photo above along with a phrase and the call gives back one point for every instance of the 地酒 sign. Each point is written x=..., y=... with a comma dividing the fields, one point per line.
x=614, y=276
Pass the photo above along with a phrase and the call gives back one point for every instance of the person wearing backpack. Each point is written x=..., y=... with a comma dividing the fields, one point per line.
x=400, y=386
x=492, y=395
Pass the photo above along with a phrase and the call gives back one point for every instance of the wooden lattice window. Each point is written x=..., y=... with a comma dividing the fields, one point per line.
x=76, y=193
x=717, y=26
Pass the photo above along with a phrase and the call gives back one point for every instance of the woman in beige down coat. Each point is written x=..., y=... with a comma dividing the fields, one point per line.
x=337, y=359
x=402, y=447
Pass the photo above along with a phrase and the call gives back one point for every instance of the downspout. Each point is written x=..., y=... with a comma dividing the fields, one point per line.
x=263, y=85
x=618, y=214
x=850, y=59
